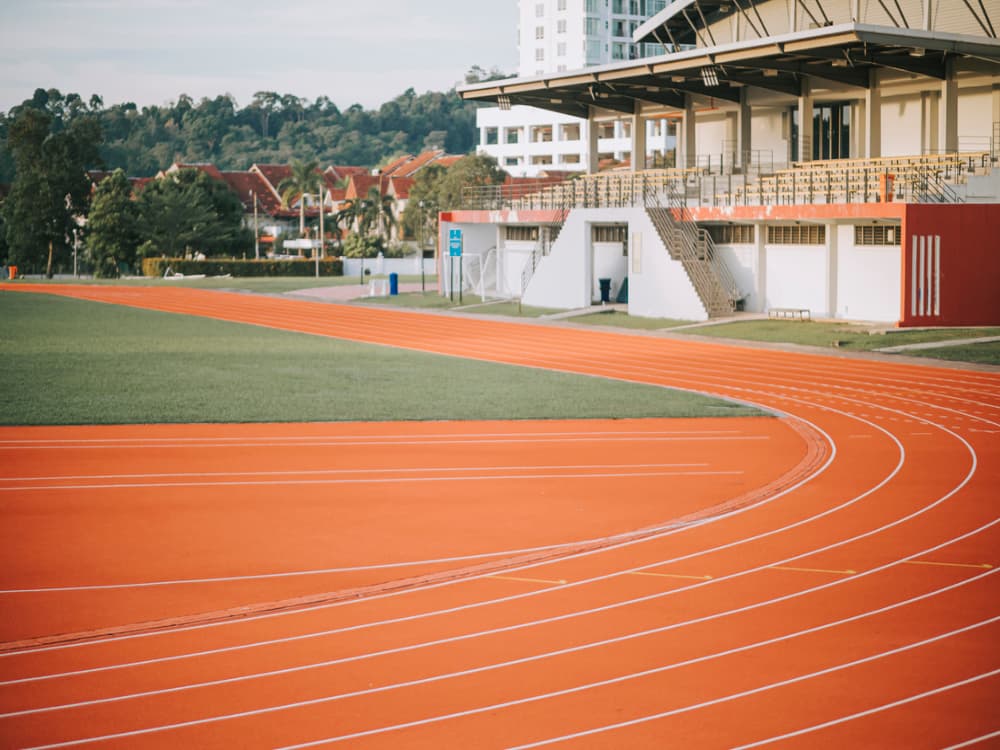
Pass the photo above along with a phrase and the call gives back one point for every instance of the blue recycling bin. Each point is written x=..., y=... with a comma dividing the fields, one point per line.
x=605, y=290
x=393, y=284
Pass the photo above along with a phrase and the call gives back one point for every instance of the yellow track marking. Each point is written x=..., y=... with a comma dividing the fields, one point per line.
x=816, y=570
x=949, y=565
x=672, y=575
x=527, y=580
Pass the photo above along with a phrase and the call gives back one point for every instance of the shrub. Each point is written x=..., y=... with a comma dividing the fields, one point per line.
x=243, y=268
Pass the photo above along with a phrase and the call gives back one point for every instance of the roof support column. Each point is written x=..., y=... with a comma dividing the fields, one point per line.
x=805, y=121
x=948, y=110
x=928, y=121
x=688, y=142
x=638, y=140
x=592, y=161
x=873, y=116
x=743, y=117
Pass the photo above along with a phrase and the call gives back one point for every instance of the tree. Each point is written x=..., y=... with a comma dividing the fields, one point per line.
x=304, y=180
x=113, y=225
x=187, y=212
x=53, y=140
x=420, y=218
x=470, y=171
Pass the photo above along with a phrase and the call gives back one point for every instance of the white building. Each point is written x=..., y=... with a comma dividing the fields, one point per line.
x=561, y=35
x=836, y=159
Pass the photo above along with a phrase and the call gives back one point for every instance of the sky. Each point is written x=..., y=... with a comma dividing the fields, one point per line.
x=151, y=51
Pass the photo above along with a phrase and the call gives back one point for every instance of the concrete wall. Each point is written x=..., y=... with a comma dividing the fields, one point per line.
x=608, y=263
x=796, y=276
x=867, y=279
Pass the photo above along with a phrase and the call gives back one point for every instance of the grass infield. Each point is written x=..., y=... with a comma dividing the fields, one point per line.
x=70, y=361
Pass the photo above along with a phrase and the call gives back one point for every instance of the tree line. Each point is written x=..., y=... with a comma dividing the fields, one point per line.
x=48, y=143
x=272, y=128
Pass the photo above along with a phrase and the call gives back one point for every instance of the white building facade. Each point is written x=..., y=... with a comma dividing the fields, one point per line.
x=561, y=35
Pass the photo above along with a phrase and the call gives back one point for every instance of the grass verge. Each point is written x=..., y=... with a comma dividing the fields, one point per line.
x=75, y=362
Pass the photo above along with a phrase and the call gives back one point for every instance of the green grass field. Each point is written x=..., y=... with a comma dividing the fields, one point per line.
x=69, y=361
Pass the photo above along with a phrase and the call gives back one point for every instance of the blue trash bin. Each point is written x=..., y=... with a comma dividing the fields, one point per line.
x=605, y=290
x=393, y=284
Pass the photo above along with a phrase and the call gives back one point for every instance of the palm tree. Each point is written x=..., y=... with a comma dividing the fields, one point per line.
x=304, y=180
x=377, y=211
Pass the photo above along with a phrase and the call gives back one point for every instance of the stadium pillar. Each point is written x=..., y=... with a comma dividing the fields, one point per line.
x=690, y=145
x=592, y=150
x=638, y=140
x=948, y=110
x=873, y=116
x=831, y=269
x=805, y=120
x=928, y=121
x=743, y=119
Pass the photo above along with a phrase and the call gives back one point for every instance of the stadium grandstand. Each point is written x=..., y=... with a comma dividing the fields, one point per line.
x=834, y=158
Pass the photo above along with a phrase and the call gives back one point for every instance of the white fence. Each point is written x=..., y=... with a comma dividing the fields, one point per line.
x=402, y=266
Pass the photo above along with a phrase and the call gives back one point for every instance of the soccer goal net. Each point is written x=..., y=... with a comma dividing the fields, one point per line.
x=480, y=276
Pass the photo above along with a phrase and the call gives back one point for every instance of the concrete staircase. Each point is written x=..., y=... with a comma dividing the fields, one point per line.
x=693, y=247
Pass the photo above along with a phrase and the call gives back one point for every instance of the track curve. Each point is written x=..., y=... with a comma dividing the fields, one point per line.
x=857, y=605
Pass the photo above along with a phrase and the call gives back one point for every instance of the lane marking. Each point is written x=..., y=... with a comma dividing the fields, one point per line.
x=986, y=566
x=528, y=580
x=373, y=480
x=372, y=470
x=670, y=575
x=974, y=741
x=815, y=570
x=886, y=707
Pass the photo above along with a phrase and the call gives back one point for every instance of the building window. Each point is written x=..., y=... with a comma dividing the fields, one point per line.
x=562, y=5
x=541, y=159
x=592, y=27
x=605, y=130
x=520, y=234
x=877, y=234
x=561, y=26
x=593, y=6
x=561, y=49
x=513, y=135
x=569, y=159
x=539, y=32
x=569, y=132
x=539, y=55
x=541, y=133
x=492, y=136
x=796, y=234
x=618, y=6
x=609, y=232
x=732, y=234
x=512, y=161
x=540, y=10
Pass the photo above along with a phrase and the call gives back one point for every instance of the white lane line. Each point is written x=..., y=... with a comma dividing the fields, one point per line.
x=485, y=668
x=974, y=741
x=331, y=472
x=367, y=480
x=240, y=441
x=433, y=440
x=723, y=699
x=879, y=709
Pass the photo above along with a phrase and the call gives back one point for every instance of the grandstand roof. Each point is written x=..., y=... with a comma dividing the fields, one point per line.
x=843, y=53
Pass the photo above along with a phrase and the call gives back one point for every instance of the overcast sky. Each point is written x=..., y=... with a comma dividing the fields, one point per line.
x=150, y=51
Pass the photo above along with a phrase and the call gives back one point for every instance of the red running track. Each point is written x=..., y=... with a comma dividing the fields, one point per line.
x=850, y=602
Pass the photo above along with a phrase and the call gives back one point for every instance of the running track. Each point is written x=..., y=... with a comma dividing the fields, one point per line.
x=835, y=589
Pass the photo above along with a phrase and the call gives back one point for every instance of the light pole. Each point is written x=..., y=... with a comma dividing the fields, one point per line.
x=318, y=252
x=256, y=230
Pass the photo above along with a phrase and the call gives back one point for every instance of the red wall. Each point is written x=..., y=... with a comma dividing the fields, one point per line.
x=969, y=291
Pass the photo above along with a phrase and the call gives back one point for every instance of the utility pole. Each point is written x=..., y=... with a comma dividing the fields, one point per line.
x=256, y=230
x=319, y=251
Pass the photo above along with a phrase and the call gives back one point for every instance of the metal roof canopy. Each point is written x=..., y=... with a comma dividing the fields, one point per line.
x=844, y=54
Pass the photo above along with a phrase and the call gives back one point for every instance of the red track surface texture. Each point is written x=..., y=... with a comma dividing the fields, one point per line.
x=825, y=579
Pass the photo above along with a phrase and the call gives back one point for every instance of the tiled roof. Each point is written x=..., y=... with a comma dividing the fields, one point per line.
x=273, y=173
x=392, y=166
x=210, y=169
x=340, y=172
x=447, y=160
x=400, y=187
x=414, y=164
x=359, y=185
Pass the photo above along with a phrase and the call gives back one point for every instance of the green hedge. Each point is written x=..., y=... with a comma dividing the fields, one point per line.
x=223, y=266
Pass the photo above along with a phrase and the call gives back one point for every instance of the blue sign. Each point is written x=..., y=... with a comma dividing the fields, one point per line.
x=455, y=243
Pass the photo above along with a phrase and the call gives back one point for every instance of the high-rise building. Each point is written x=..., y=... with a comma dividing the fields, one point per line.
x=559, y=35
x=556, y=36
